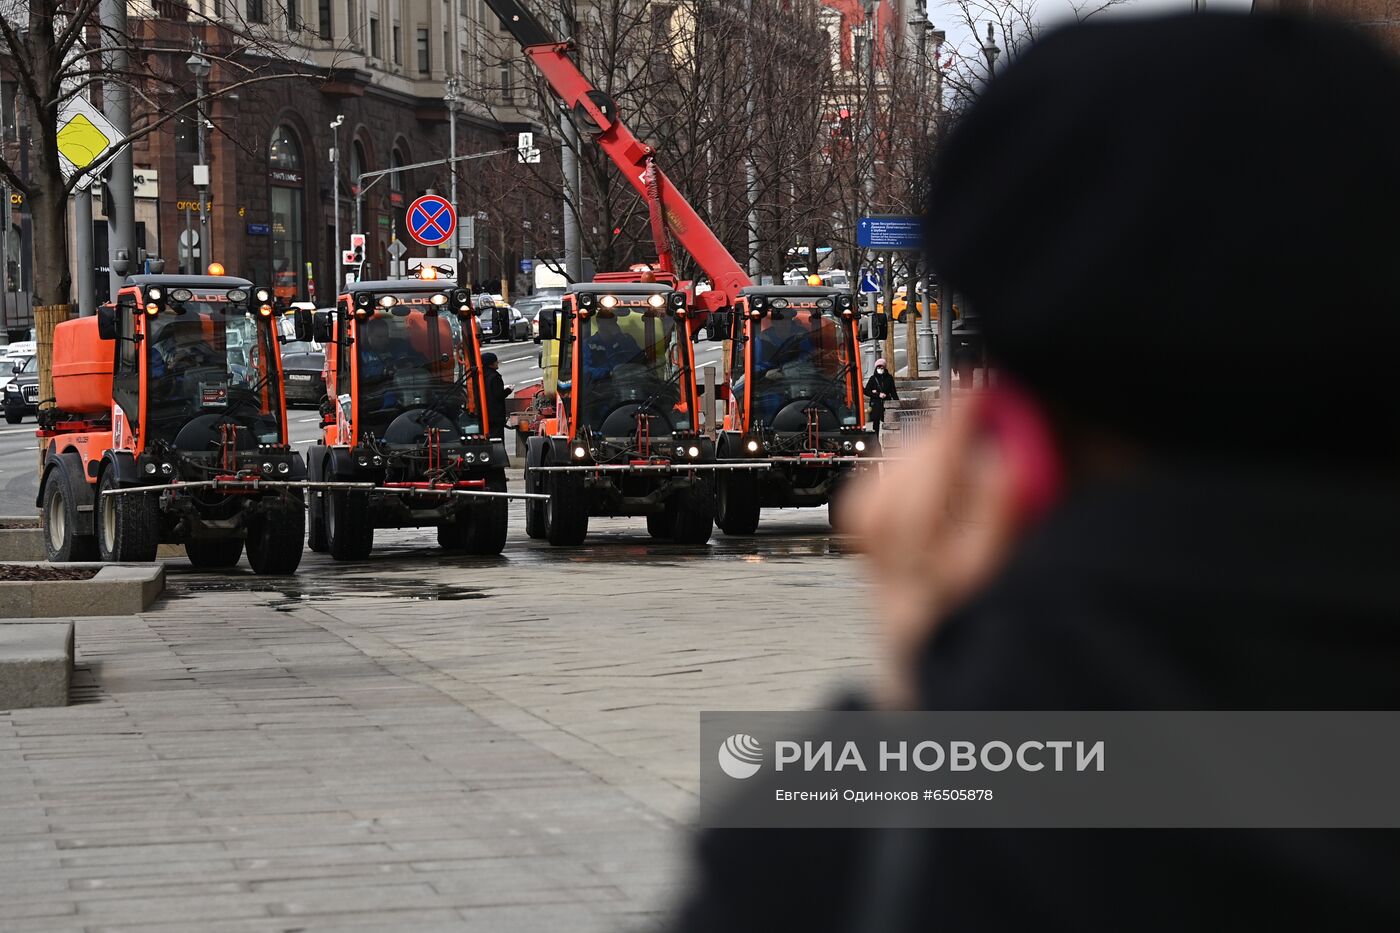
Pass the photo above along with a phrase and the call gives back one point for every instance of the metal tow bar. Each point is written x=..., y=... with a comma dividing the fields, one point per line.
x=655, y=467
x=822, y=461
x=460, y=492
x=244, y=485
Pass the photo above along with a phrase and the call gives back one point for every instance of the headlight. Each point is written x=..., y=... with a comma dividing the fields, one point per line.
x=439, y=299
x=580, y=451
x=693, y=451
x=262, y=295
x=388, y=301
x=181, y=294
x=284, y=467
x=860, y=446
x=752, y=446
x=154, y=292
x=608, y=301
x=848, y=445
x=237, y=296
x=151, y=469
x=469, y=457
x=657, y=301
x=267, y=467
x=167, y=469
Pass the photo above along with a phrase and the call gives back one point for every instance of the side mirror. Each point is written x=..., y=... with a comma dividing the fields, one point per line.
x=721, y=323
x=16, y=368
x=549, y=323
x=301, y=324
x=322, y=328
x=879, y=326
x=107, y=322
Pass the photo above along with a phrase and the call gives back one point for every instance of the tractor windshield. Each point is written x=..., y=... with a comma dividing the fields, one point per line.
x=212, y=361
x=413, y=357
x=802, y=359
x=633, y=360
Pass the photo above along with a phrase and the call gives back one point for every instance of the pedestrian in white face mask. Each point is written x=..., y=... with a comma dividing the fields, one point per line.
x=879, y=388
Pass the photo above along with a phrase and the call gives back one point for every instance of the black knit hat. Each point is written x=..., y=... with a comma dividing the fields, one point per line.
x=1186, y=228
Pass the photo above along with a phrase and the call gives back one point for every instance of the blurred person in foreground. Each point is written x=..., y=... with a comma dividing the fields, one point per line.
x=1164, y=505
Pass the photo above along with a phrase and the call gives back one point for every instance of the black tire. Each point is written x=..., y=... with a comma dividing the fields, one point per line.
x=316, y=537
x=659, y=524
x=59, y=518
x=213, y=553
x=535, y=509
x=452, y=536
x=488, y=520
x=736, y=502
x=14, y=417
x=275, y=540
x=128, y=526
x=694, y=514
x=349, y=534
x=566, y=511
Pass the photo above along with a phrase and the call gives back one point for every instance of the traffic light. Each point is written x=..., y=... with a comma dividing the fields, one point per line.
x=357, y=246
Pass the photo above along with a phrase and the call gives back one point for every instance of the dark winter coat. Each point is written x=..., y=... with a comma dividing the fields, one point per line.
x=877, y=383
x=496, y=402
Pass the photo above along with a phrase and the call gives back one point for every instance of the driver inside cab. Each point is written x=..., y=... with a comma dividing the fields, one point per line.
x=608, y=347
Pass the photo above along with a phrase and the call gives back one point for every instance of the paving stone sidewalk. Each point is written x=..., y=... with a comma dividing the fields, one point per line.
x=412, y=743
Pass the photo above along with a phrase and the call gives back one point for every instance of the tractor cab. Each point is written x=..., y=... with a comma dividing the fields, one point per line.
x=409, y=363
x=197, y=378
x=626, y=373
x=794, y=370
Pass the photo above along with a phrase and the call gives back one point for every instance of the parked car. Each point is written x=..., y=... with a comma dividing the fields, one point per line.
x=304, y=366
x=19, y=349
x=21, y=395
x=7, y=369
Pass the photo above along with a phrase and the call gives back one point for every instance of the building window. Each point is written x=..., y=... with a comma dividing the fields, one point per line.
x=357, y=165
x=396, y=179
x=323, y=13
x=424, y=62
x=286, y=212
x=255, y=11
x=374, y=37
x=293, y=16
x=505, y=81
x=398, y=45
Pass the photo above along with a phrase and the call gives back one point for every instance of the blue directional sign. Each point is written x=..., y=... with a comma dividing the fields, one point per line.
x=890, y=231
x=870, y=280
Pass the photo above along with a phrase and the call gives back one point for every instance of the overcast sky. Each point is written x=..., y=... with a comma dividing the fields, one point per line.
x=947, y=16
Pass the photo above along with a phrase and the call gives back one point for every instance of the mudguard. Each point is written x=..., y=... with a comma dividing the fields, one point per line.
x=299, y=471
x=558, y=448
x=498, y=454
x=83, y=492
x=340, y=464
x=123, y=462
x=535, y=447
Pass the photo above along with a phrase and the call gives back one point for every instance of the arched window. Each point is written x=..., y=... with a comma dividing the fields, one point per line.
x=396, y=180
x=358, y=164
x=285, y=194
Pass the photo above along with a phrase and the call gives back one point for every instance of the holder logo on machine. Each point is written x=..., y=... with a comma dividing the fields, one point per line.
x=740, y=756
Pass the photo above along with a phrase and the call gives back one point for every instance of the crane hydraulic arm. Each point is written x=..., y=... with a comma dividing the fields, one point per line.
x=595, y=113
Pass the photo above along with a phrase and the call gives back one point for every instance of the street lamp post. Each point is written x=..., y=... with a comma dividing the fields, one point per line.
x=868, y=121
x=335, y=196
x=925, y=31
x=450, y=98
x=199, y=67
x=990, y=51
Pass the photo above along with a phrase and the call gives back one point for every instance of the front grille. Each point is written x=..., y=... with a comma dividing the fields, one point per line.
x=31, y=393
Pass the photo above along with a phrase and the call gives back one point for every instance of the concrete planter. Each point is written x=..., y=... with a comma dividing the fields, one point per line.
x=116, y=590
x=21, y=544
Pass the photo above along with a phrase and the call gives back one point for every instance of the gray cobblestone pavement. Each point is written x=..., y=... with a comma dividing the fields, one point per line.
x=413, y=742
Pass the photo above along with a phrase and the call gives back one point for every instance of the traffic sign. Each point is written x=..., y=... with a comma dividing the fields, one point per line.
x=397, y=249
x=84, y=140
x=431, y=220
x=870, y=280
x=443, y=268
x=466, y=233
x=527, y=266
x=525, y=150
x=890, y=231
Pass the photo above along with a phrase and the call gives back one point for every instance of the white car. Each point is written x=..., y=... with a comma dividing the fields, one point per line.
x=7, y=367
x=21, y=349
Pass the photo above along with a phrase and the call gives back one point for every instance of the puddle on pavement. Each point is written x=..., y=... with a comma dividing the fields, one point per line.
x=291, y=593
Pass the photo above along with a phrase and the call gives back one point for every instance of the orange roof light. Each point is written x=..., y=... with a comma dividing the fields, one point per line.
x=428, y=272
x=216, y=268
x=814, y=280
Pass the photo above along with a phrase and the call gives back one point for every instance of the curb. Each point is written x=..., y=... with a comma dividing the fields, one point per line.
x=36, y=664
x=117, y=589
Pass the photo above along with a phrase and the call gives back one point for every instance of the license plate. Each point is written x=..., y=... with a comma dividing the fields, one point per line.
x=299, y=377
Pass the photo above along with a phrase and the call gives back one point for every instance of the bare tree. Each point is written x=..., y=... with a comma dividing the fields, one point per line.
x=54, y=50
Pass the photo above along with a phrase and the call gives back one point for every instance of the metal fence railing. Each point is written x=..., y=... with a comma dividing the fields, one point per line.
x=914, y=424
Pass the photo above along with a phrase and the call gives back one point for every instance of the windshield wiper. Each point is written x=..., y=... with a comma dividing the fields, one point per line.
x=680, y=371
x=441, y=397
